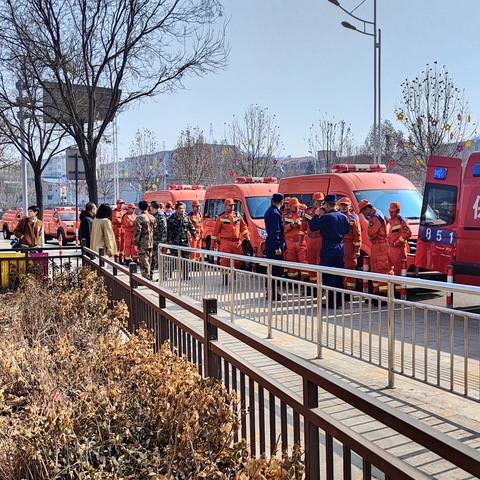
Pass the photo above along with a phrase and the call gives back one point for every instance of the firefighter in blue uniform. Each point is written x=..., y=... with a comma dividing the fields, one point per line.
x=275, y=243
x=333, y=226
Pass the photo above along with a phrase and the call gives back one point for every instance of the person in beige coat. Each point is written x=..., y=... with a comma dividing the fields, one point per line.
x=102, y=231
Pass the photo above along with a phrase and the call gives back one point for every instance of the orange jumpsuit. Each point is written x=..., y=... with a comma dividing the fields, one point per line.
x=398, y=235
x=128, y=223
x=296, y=250
x=197, y=222
x=313, y=241
x=352, y=243
x=229, y=231
x=117, y=215
x=379, y=263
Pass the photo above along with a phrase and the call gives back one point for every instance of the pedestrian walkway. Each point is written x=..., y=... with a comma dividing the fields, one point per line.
x=451, y=414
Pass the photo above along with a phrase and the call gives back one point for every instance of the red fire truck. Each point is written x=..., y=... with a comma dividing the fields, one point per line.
x=449, y=231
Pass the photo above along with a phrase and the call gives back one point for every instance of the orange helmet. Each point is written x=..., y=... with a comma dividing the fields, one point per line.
x=344, y=200
x=363, y=203
x=294, y=202
x=131, y=205
x=229, y=201
x=318, y=196
x=120, y=200
x=394, y=206
x=195, y=203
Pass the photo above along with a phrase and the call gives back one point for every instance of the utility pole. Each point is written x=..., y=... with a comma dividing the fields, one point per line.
x=21, y=117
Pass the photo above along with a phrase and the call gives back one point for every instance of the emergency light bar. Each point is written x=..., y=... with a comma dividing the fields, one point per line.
x=185, y=187
x=255, y=179
x=358, y=167
x=440, y=173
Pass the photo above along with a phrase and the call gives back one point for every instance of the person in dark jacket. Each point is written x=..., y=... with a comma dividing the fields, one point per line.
x=86, y=220
x=333, y=226
x=275, y=243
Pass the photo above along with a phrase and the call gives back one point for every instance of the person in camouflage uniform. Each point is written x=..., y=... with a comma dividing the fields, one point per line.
x=160, y=235
x=145, y=225
x=178, y=227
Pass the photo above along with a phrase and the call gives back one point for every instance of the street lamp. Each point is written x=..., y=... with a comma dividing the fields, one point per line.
x=377, y=55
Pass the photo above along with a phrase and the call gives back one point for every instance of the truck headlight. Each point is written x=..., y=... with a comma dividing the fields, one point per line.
x=262, y=233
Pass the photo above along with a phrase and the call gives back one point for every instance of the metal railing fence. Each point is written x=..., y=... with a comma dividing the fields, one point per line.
x=42, y=262
x=426, y=342
x=273, y=412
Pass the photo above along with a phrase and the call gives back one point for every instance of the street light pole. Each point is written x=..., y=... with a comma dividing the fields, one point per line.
x=377, y=56
x=21, y=117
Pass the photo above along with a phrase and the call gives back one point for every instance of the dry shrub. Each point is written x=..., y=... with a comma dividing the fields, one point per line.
x=79, y=401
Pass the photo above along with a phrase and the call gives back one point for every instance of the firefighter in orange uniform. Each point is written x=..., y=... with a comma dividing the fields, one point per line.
x=286, y=205
x=117, y=214
x=352, y=242
x=229, y=231
x=196, y=219
x=377, y=234
x=313, y=240
x=296, y=250
x=398, y=235
x=128, y=223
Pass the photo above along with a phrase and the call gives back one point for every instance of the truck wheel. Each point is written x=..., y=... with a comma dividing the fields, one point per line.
x=64, y=240
x=6, y=233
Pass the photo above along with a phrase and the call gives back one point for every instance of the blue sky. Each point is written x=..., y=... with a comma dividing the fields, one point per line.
x=294, y=57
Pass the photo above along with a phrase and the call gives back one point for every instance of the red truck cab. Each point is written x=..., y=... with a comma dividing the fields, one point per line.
x=450, y=218
x=10, y=221
x=177, y=193
x=252, y=196
x=357, y=182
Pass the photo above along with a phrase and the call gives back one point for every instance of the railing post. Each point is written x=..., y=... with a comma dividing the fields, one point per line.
x=101, y=254
x=270, y=300
x=391, y=336
x=366, y=268
x=232, y=290
x=450, y=279
x=203, y=274
x=179, y=273
x=132, y=268
x=319, y=316
x=212, y=365
x=312, y=443
x=403, y=289
x=83, y=244
x=163, y=327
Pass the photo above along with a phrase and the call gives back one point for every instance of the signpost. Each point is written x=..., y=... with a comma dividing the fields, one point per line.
x=75, y=171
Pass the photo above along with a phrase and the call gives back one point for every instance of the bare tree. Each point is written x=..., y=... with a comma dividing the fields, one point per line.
x=330, y=140
x=22, y=126
x=436, y=115
x=193, y=158
x=143, y=165
x=10, y=187
x=95, y=58
x=254, y=143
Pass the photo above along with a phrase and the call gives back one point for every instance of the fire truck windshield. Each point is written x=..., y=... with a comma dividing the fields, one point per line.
x=257, y=206
x=410, y=201
x=188, y=205
x=66, y=217
x=442, y=200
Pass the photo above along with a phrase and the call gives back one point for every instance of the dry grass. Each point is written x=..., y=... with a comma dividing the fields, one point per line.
x=77, y=401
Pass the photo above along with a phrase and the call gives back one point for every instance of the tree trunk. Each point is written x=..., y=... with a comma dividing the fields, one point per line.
x=38, y=191
x=91, y=176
